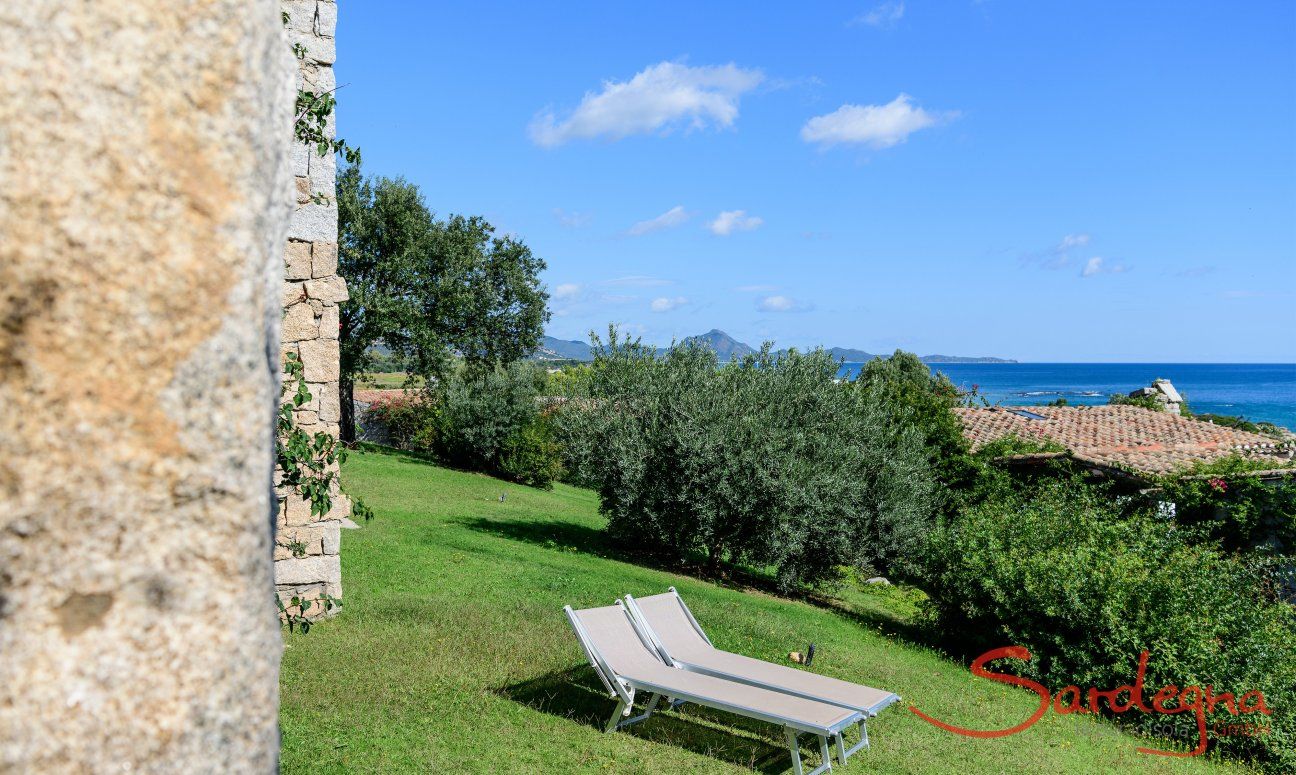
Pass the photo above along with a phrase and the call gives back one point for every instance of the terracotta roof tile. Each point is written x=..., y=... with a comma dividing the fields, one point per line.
x=370, y=396
x=1125, y=436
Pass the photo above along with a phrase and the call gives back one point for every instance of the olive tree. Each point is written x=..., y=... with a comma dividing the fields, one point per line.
x=767, y=461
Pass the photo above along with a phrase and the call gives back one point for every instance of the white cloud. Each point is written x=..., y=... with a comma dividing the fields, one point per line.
x=885, y=15
x=565, y=291
x=637, y=281
x=664, y=304
x=571, y=220
x=1098, y=265
x=730, y=221
x=1072, y=241
x=878, y=126
x=659, y=98
x=669, y=219
x=781, y=304
x=1060, y=256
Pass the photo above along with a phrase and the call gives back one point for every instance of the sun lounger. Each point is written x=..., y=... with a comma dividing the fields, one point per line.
x=680, y=641
x=626, y=663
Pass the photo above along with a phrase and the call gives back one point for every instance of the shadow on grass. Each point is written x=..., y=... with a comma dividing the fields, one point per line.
x=576, y=694
x=402, y=455
x=551, y=534
x=567, y=536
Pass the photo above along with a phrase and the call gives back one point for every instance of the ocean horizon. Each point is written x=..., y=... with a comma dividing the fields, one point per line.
x=1260, y=392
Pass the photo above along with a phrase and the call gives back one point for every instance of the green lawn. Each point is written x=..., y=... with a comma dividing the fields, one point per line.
x=384, y=380
x=452, y=654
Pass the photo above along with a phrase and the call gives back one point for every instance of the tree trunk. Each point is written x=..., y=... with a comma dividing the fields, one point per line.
x=347, y=390
x=145, y=193
x=715, y=553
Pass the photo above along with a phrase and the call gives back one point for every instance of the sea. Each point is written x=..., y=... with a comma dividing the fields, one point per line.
x=1260, y=392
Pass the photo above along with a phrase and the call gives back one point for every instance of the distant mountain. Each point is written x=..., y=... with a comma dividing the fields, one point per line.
x=850, y=355
x=964, y=359
x=552, y=349
x=726, y=347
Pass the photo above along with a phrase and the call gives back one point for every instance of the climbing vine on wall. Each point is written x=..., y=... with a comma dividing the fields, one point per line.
x=308, y=462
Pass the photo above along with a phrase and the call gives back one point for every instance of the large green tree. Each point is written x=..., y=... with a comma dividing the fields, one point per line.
x=433, y=291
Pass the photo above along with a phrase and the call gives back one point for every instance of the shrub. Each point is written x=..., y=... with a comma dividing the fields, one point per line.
x=409, y=421
x=481, y=412
x=1085, y=586
x=485, y=421
x=767, y=461
x=1151, y=403
x=916, y=397
x=1225, y=502
x=531, y=455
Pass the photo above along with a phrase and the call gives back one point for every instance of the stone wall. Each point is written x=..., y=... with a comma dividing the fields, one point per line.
x=144, y=202
x=312, y=290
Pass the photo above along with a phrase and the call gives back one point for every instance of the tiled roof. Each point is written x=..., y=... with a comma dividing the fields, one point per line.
x=371, y=396
x=1129, y=437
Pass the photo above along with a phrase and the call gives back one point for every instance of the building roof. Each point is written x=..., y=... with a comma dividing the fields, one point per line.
x=380, y=395
x=1127, y=437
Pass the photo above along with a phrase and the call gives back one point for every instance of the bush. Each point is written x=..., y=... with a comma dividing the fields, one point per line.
x=767, y=462
x=488, y=421
x=1085, y=586
x=531, y=455
x=409, y=421
x=481, y=412
x=918, y=398
x=1225, y=502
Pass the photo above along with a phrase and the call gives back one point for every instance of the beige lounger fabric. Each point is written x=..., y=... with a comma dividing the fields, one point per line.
x=667, y=618
x=611, y=633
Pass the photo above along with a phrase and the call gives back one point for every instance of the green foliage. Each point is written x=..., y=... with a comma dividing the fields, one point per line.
x=1225, y=502
x=767, y=461
x=916, y=397
x=482, y=412
x=300, y=612
x=486, y=421
x=307, y=463
x=411, y=421
x=384, y=362
x=571, y=380
x=434, y=291
x=456, y=638
x=1010, y=445
x=1147, y=402
x=1243, y=424
x=1086, y=584
x=531, y=455
x=311, y=125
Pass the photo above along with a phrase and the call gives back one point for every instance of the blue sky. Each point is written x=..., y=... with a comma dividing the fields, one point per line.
x=1042, y=181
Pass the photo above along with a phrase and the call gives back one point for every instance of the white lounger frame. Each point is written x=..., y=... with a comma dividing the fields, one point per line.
x=642, y=625
x=623, y=691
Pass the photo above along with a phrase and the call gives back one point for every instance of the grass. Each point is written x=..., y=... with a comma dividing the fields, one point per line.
x=452, y=654
x=384, y=380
